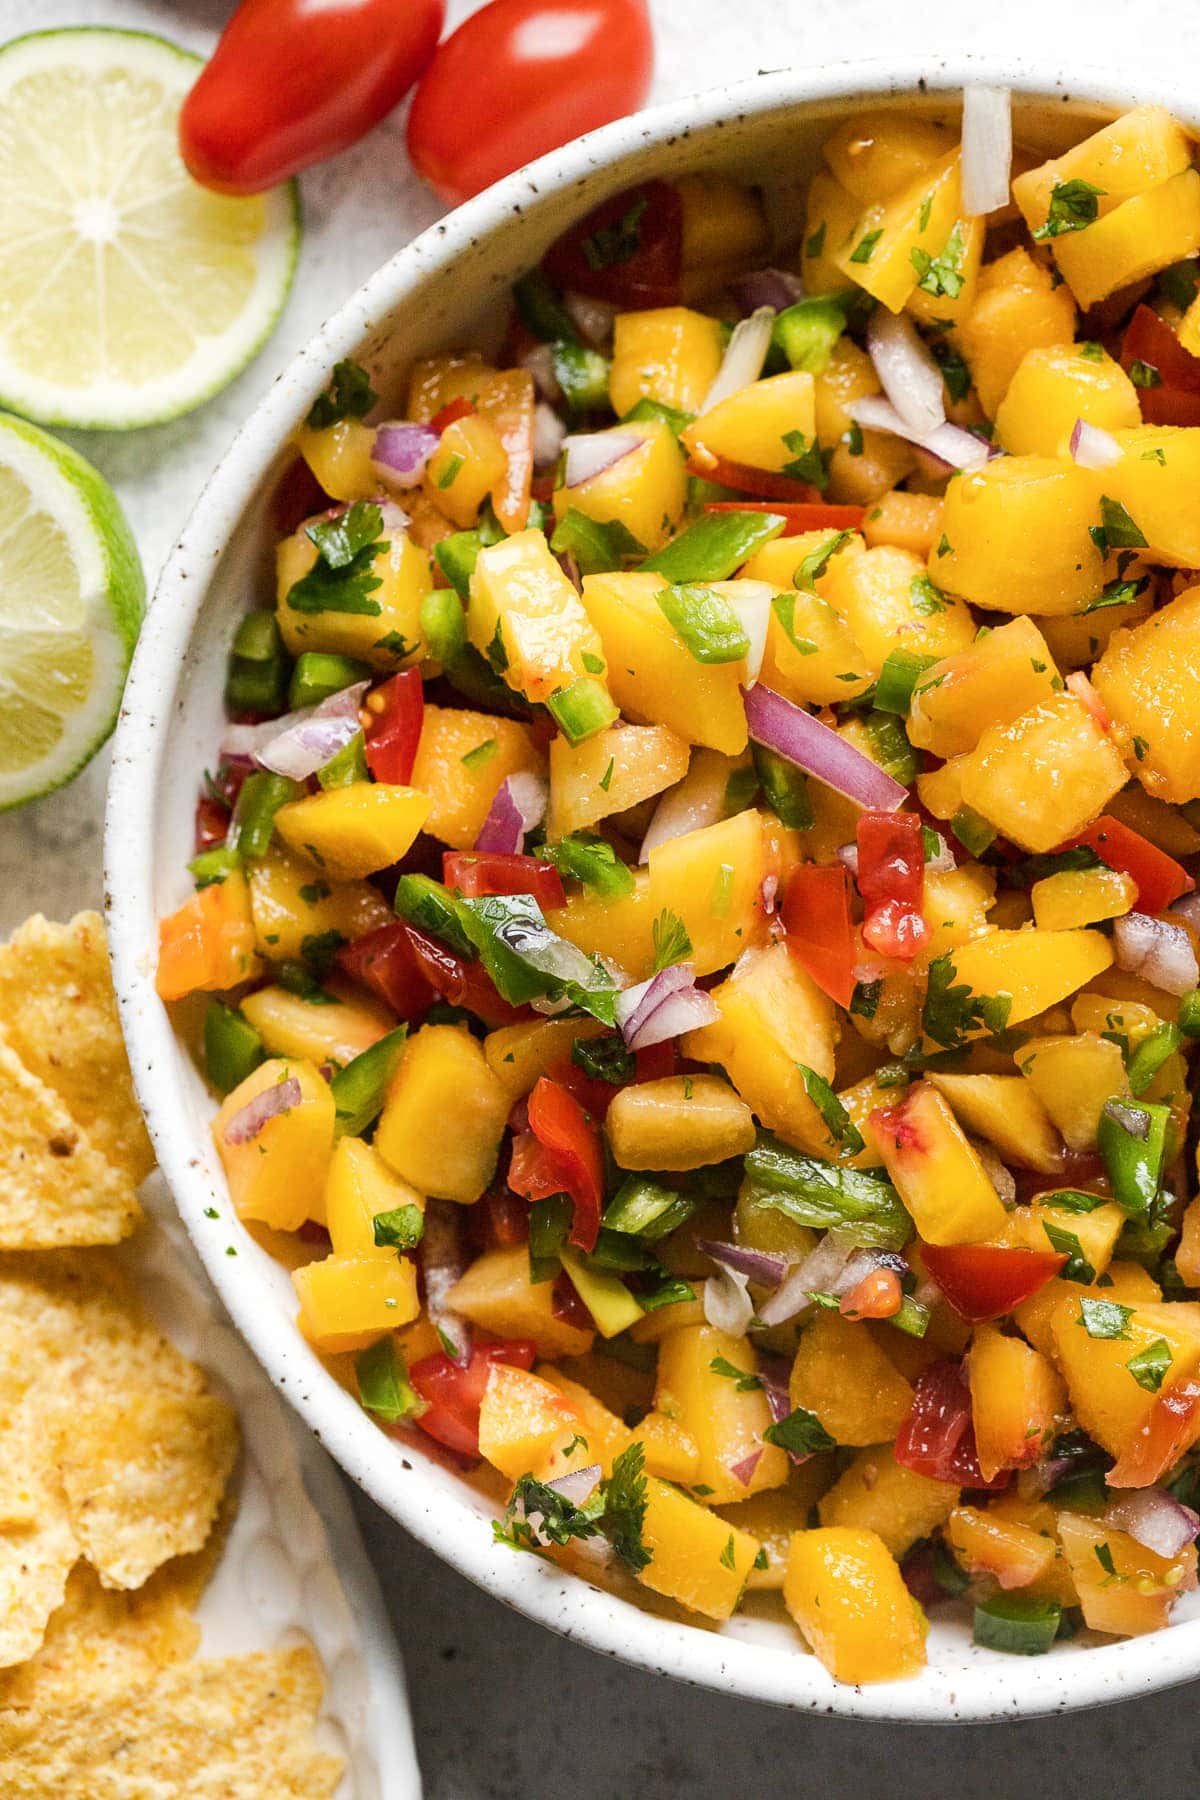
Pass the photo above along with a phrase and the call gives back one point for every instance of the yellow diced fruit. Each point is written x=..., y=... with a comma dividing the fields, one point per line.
x=645, y=489
x=775, y=1514
x=873, y=155
x=599, y=1436
x=1093, y=1012
x=680, y=1122
x=437, y=380
x=671, y=1450
x=337, y=1031
x=289, y=904
x=346, y=1302
x=753, y=425
x=523, y=606
x=339, y=455
x=992, y=515
x=993, y=682
x=774, y=1020
x=444, y=1115
x=812, y=656
x=1077, y=639
x=1082, y=897
x=1149, y=682
x=402, y=570
x=890, y=603
x=697, y=1558
x=496, y=1294
x=1127, y=1283
x=878, y=255
x=358, y=1186
x=1154, y=819
x=845, y=1592
x=876, y=1493
x=465, y=467
x=652, y=1327
x=653, y=675
x=462, y=759
x=668, y=353
x=937, y=1171
x=1073, y=1077
x=521, y=1418
x=277, y=1176
x=945, y=294
x=1014, y=1554
x=519, y=1055
x=909, y=521
x=1017, y=308
x=726, y=1424
x=1005, y=1110
x=1096, y=1231
x=841, y=1374
x=1056, y=385
x=1136, y=152
x=610, y=772
x=1036, y=969
x=1045, y=776
x=1142, y=236
x=829, y=218
x=1159, y=468
x=1108, y=1401
x=849, y=375
x=354, y=831
x=1017, y=1397
x=723, y=225
x=610, y=1303
x=1138, y=1594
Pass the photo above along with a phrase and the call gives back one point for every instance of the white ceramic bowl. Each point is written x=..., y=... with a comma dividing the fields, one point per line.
x=437, y=292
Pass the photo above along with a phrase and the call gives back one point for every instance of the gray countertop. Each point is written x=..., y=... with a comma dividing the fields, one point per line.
x=503, y=1709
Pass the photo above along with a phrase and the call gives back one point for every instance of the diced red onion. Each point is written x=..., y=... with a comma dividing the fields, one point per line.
x=727, y=1305
x=819, y=1273
x=696, y=801
x=443, y=1260
x=249, y=1120
x=751, y=601
x=957, y=448
x=689, y=1010
x=310, y=738
x=1093, y=448
x=1157, y=1520
x=803, y=740
x=1161, y=952
x=911, y=378
x=759, y=1266
x=775, y=1372
x=635, y=1005
x=590, y=453
x=579, y=1486
x=942, y=860
x=743, y=1471
x=549, y=433
x=986, y=149
x=776, y=288
x=592, y=319
x=539, y=360
x=401, y=451
x=998, y=1174
x=744, y=356
x=519, y=805
x=768, y=888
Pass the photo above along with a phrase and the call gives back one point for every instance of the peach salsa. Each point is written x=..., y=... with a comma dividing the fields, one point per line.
x=697, y=897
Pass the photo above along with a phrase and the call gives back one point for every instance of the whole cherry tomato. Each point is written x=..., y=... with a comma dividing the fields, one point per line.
x=521, y=77
x=294, y=81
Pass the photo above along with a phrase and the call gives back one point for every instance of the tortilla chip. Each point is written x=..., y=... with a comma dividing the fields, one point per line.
x=143, y=1477
x=35, y=1559
x=72, y=1321
x=101, y=1641
x=55, y=1187
x=235, y=1729
x=59, y=1012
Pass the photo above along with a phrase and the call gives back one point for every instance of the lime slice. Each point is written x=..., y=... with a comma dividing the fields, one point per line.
x=71, y=601
x=129, y=292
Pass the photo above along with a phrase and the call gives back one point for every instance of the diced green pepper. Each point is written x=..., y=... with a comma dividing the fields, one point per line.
x=232, y=1047
x=383, y=1384
x=456, y=557
x=540, y=308
x=1189, y=1014
x=596, y=547
x=260, y=797
x=807, y=331
x=706, y=622
x=893, y=752
x=582, y=709
x=1151, y=1054
x=214, y=865
x=784, y=788
x=644, y=1207
x=647, y=410
x=1132, y=1141
x=972, y=830
x=714, y=546
x=257, y=679
x=359, y=1090
x=822, y=1195
x=1017, y=1623
x=549, y=1224
x=348, y=766
x=901, y=671
x=582, y=374
x=594, y=862
x=432, y=908
x=316, y=675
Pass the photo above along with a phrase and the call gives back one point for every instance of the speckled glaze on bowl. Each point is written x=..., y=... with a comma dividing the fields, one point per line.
x=440, y=290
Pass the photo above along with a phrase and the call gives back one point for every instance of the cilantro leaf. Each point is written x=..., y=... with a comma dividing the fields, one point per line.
x=801, y=1432
x=926, y=597
x=941, y=274
x=625, y=1507
x=1073, y=206
x=836, y=1119
x=1105, y=1318
x=952, y=1011
x=538, y=1515
x=604, y=1058
x=814, y=565
x=1116, y=530
x=349, y=396
x=671, y=941
x=342, y=579
x=809, y=462
x=743, y=1379
x=1150, y=1365
x=402, y=1228
x=1077, y=1267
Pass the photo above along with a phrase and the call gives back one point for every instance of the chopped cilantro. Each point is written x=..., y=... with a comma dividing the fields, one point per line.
x=809, y=462
x=349, y=396
x=1150, y=1365
x=952, y=1011
x=1105, y=1318
x=743, y=1379
x=671, y=941
x=616, y=243
x=342, y=578
x=801, y=1432
x=400, y=1229
x=926, y=597
x=1077, y=1267
x=837, y=1120
x=604, y=1058
x=816, y=243
x=727, y=1558
x=865, y=247
x=814, y=565
x=1144, y=374
x=941, y=274
x=481, y=755
x=1116, y=530
x=1073, y=206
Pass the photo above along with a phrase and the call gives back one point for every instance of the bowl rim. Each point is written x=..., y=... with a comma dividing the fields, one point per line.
x=989, y=1690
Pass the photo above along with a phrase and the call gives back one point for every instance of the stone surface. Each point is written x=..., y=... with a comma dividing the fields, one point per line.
x=502, y=1708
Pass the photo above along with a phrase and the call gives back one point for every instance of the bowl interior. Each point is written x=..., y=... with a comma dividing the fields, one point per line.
x=450, y=289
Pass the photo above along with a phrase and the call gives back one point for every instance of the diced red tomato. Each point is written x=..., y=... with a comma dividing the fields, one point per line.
x=453, y=1394
x=891, y=880
x=397, y=711
x=561, y=1154
x=801, y=516
x=460, y=982
x=938, y=1437
x=1160, y=879
x=628, y=251
x=766, y=482
x=497, y=872
x=820, y=934
x=385, y=962
x=1174, y=399
x=982, y=1281
x=212, y=823
x=593, y=1093
x=459, y=408
x=1172, y=1427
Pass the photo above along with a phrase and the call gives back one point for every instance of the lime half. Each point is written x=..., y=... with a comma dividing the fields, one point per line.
x=71, y=600
x=129, y=293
